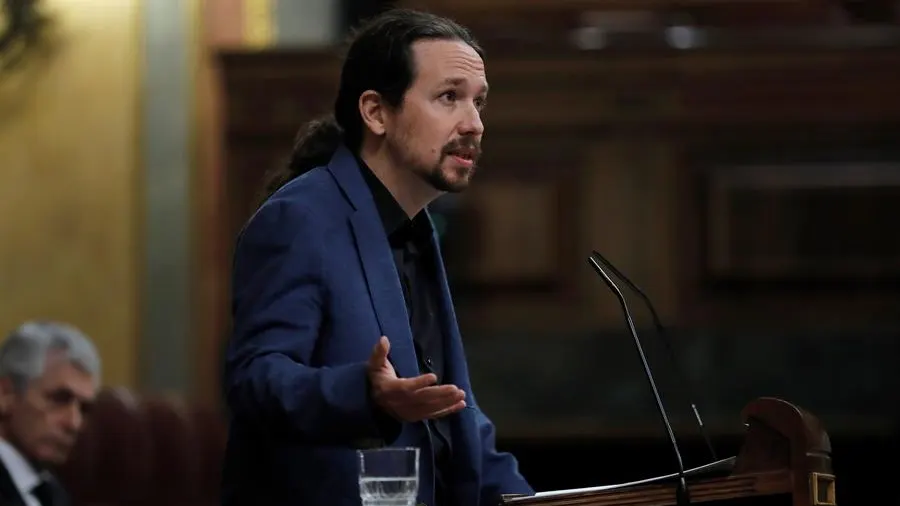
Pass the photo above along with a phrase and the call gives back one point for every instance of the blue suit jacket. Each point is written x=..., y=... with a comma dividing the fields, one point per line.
x=314, y=287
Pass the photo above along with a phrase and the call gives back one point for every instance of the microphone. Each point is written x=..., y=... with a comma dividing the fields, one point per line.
x=682, y=494
x=661, y=330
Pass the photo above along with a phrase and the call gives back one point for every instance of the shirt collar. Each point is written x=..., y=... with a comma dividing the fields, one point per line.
x=393, y=217
x=23, y=474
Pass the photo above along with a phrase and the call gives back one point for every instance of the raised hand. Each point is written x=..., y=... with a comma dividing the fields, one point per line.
x=410, y=399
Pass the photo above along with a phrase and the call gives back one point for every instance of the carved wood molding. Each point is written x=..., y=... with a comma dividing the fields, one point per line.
x=543, y=7
x=552, y=21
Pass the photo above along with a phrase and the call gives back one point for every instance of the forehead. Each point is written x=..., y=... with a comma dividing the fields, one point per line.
x=442, y=60
x=61, y=373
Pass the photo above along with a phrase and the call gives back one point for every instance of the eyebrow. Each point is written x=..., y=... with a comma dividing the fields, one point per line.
x=71, y=393
x=459, y=81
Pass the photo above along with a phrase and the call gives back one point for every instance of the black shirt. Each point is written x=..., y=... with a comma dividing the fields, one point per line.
x=411, y=245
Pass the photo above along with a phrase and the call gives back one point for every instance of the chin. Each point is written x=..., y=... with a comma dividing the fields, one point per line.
x=448, y=185
x=53, y=457
x=453, y=180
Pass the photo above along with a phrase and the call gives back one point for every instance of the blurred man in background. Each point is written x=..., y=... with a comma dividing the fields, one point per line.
x=49, y=377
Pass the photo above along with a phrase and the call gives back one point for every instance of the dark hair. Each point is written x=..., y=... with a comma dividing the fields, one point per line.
x=379, y=58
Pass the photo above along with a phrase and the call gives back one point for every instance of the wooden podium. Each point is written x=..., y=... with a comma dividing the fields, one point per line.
x=785, y=460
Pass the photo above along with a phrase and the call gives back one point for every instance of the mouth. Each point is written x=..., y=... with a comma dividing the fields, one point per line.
x=464, y=157
x=63, y=446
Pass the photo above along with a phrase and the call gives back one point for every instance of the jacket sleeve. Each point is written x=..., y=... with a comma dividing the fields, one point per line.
x=277, y=308
x=499, y=470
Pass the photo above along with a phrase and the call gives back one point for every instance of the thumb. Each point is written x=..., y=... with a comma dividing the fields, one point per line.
x=379, y=353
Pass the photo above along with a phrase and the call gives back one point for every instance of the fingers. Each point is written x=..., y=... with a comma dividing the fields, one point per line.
x=410, y=399
x=426, y=402
x=419, y=398
x=417, y=383
x=432, y=400
x=459, y=406
x=378, y=359
x=441, y=394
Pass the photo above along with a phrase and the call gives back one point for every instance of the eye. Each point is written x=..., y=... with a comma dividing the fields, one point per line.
x=449, y=96
x=481, y=103
x=61, y=397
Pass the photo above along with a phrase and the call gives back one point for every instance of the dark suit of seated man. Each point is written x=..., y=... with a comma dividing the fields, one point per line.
x=344, y=333
x=49, y=377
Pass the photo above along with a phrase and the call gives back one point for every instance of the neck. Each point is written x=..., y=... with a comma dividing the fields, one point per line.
x=410, y=190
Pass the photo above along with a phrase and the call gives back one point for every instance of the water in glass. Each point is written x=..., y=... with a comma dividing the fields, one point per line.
x=389, y=476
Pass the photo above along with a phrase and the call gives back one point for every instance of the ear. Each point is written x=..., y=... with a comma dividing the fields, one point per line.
x=7, y=396
x=372, y=110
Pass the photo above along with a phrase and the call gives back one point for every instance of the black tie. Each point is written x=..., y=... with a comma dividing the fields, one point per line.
x=44, y=492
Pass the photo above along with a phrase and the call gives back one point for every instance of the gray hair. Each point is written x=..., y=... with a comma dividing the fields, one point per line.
x=23, y=354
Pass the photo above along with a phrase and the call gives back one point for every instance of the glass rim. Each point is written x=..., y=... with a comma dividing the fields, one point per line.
x=389, y=449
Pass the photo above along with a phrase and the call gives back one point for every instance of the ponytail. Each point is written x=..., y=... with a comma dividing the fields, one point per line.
x=313, y=147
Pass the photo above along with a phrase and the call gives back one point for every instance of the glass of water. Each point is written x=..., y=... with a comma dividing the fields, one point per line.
x=389, y=476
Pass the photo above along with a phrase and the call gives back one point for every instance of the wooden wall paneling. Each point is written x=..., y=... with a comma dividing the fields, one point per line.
x=769, y=267
x=691, y=91
x=630, y=218
x=821, y=222
x=272, y=93
x=269, y=97
x=579, y=93
x=813, y=87
x=271, y=108
x=577, y=89
x=515, y=235
x=248, y=163
x=607, y=116
x=652, y=163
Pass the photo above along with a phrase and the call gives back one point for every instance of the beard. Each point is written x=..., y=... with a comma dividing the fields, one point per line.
x=453, y=179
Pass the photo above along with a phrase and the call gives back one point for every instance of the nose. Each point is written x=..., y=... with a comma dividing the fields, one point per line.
x=471, y=123
x=73, y=418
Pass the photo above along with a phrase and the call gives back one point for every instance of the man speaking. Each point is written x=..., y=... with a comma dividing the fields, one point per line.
x=344, y=331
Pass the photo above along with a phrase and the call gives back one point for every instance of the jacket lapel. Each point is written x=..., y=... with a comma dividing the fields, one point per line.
x=378, y=263
x=458, y=373
x=385, y=291
x=467, y=449
x=9, y=494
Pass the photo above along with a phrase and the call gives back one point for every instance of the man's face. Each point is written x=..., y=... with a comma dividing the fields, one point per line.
x=45, y=419
x=437, y=130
